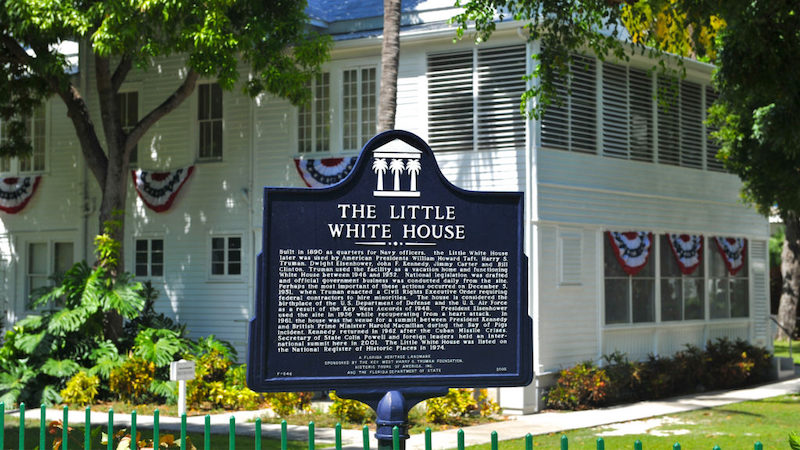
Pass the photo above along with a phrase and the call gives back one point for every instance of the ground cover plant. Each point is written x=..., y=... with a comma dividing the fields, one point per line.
x=735, y=426
x=723, y=364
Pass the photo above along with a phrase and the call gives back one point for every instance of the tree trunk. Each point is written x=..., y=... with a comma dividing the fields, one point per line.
x=790, y=272
x=390, y=57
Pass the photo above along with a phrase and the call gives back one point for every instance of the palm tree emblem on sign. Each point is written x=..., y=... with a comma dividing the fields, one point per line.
x=402, y=159
x=413, y=167
x=397, y=166
x=380, y=167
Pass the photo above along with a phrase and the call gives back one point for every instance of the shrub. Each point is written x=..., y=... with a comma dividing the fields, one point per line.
x=81, y=389
x=581, y=387
x=351, y=411
x=131, y=381
x=459, y=403
x=286, y=403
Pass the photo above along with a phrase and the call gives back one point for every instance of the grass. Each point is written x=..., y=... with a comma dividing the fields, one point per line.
x=218, y=441
x=735, y=426
x=782, y=350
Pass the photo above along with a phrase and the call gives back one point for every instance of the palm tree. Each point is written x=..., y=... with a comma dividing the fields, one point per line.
x=390, y=55
x=396, y=166
x=413, y=166
x=380, y=167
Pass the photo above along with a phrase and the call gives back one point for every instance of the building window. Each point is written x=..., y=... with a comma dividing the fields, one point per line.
x=628, y=298
x=128, y=103
x=209, y=118
x=36, y=131
x=226, y=255
x=314, y=118
x=728, y=286
x=627, y=113
x=359, y=107
x=473, y=99
x=682, y=293
x=45, y=262
x=149, y=258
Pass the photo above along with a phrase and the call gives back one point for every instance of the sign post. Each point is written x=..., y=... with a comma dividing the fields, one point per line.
x=181, y=371
x=391, y=286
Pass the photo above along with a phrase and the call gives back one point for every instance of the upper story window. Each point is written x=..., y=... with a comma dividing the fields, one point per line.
x=639, y=116
x=359, y=107
x=128, y=103
x=36, y=130
x=209, y=119
x=314, y=118
x=473, y=99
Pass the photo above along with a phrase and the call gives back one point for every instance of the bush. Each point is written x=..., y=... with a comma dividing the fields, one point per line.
x=81, y=389
x=131, y=381
x=351, y=411
x=581, y=387
x=286, y=403
x=218, y=381
x=458, y=404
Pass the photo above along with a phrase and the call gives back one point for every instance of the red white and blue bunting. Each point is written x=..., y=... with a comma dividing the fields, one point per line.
x=16, y=192
x=631, y=249
x=159, y=189
x=688, y=251
x=325, y=171
x=733, y=252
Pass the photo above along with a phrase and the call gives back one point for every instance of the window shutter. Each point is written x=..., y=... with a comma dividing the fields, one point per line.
x=668, y=121
x=615, y=111
x=450, y=101
x=555, y=122
x=758, y=252
x=569, y=250
x=500, y=74
x=712, y=147
x=583, y=120
x=641, y=115
x=691, y=125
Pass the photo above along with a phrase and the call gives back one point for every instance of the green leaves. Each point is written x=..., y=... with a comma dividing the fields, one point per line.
x=60, y=368
x=158, y=345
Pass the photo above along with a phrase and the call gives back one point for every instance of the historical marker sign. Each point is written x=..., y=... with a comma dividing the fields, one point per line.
x=392, y=278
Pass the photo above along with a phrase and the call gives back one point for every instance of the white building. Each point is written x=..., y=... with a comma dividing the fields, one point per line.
x=610, y=159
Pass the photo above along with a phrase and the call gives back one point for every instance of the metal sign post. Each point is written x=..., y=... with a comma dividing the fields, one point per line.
x=181, y=371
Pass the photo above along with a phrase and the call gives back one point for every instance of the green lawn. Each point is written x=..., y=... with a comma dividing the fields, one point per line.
x=218, y=441
x=782, y=350
x=737, y=426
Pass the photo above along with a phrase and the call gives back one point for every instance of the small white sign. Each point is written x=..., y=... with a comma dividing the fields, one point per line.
x=181, y=370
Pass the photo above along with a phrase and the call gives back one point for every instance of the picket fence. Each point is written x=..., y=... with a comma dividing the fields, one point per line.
x=87, y=440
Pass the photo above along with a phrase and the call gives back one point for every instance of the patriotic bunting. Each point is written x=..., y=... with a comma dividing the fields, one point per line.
x=631, y=249
x=159, y=189
x=16, y=192
x=733, y=252
x=688, y=250
x=324, y=172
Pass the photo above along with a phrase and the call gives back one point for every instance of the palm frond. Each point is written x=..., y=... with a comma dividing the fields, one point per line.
x=157, y=345
x=68, y=320
x=165, y=389
x=60, y=368
x=27, y=343
x=50, y=395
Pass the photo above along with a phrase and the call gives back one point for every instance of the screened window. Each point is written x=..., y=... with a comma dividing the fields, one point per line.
x=473, y=99
x=728, y=292
x=680, y=123
x=209, y=119
x=226, y=255
x=36, y=130
x=149, y=257
x=359, y=107
x=627, y=113
x=628, y=298
x=128, y=116
x=682, y=295
x=314, y=118
x=712, y=147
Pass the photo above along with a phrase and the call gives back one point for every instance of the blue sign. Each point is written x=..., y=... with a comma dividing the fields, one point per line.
x=392, y=278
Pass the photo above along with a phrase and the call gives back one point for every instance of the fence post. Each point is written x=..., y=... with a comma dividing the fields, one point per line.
x=232, y=434
x=156, y=431
x=365, y=437
x=183, y=431
x=110, y=429
x=338, y=436
x=133, y=430
x=311, y=437
x=564, y=442
x=2, y=424
x=677, y=446
x=42, y=425
x=65, y=429
x=21, y=425
x=258, y=434
x=87, y=429
x=494, y=440
x=207, y=433
x=428, y=438
x=528, y=442
x=637, y=445
x=716, y=447
x=396, y=437
x=460, y=436
x=284, y=435
x=758, y=446
x=601, y=444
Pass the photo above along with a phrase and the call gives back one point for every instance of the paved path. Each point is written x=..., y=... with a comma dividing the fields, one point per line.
x=514, y=428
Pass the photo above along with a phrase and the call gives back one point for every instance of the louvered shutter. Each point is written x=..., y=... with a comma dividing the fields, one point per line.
x=616, y=120
x=555, y=121
x=500, y=71
x=641, y=115
x=668, y=121
x=691, y=125
x=712, y=147
x=758, y=259
x=583, y=114
x=450, y=101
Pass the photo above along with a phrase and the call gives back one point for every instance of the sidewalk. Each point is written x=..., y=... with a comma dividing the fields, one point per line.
x=514, y=428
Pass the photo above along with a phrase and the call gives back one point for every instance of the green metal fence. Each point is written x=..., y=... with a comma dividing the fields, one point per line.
x=88, y=435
